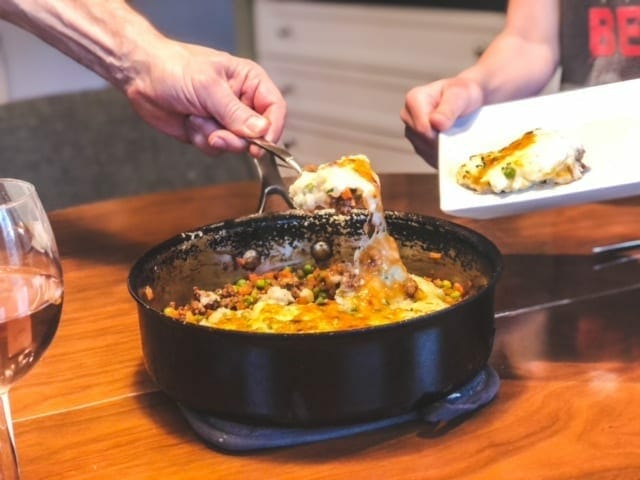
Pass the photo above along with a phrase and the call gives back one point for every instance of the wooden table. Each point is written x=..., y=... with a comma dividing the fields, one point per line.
x=567, y=350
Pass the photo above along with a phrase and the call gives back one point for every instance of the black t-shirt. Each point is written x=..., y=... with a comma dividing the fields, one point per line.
x=600, y=41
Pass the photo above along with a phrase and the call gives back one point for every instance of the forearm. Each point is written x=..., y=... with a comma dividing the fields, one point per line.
x=510, y=70
x=523, y=58
x=102, y=35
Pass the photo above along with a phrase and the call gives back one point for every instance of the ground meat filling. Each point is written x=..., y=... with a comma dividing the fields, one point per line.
x=348, y=201
x=307, y=284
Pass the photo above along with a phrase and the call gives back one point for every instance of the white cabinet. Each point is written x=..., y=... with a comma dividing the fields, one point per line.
x=345, y=69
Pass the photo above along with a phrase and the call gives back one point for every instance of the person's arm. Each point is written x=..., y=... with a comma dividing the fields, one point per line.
x=523, y=57
x=196, y=94
x=519, y=62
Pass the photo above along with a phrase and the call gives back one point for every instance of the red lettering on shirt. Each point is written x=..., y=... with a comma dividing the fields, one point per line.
x=628, y=19
x=602, y=40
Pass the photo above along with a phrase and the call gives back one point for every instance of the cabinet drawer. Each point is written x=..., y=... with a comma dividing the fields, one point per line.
x=366, y=38
x=345, y=70
x=313, y=143
x=369, y=102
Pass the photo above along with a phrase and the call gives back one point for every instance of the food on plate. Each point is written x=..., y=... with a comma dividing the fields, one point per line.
x=537, y=157
x=375, y=288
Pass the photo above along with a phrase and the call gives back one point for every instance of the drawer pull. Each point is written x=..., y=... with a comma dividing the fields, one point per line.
x=287, y=89
x=290, y=143
x=285, y=31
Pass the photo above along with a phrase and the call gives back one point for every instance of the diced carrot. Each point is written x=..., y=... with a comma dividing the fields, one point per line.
x=245, y=289
x=148, y=292
x=286, y=273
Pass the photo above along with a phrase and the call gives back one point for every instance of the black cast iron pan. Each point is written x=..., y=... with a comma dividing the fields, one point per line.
x=314, y=378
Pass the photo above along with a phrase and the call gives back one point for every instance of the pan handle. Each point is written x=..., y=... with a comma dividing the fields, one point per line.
x=270, y=181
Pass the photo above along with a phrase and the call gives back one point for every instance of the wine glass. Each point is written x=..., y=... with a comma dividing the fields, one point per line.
x=30, y=297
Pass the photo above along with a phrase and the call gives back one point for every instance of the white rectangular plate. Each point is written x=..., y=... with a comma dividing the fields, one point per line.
x=605, y=119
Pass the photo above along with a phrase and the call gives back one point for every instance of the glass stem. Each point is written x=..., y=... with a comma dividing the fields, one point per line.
x=9, y=469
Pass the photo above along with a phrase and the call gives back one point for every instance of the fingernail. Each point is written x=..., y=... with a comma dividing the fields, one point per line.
x=256, y=126
x=199, y=140
x=219, y=143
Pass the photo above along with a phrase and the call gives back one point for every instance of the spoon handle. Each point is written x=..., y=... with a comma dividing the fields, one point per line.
x=277, y=152
x=617, y=247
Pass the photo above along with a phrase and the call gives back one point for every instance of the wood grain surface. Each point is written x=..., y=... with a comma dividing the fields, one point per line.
x=567, y=350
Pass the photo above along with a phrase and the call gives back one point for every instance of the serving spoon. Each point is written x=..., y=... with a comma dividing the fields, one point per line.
x=270, y=180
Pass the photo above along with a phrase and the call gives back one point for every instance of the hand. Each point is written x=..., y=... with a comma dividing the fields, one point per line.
x=433, y=108
x=206, y=97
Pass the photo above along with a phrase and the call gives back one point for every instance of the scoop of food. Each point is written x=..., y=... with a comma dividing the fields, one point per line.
x=537, y=157
x=347, y=183
x=342, y=185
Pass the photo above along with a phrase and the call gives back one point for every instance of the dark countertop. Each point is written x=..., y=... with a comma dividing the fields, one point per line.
x=491, y=5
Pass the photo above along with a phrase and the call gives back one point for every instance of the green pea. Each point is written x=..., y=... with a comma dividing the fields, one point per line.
x=509, y=172
x=321, y=297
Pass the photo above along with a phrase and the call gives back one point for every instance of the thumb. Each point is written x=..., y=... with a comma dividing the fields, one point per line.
x=447, y=112
x=237, y=117
x=457, y=100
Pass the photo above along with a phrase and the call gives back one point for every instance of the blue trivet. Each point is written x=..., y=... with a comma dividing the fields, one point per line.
x=240, y=437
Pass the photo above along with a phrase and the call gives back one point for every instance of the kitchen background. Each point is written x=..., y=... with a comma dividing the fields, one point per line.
x=343, y=66
x=30, y=68
x=78, y=140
